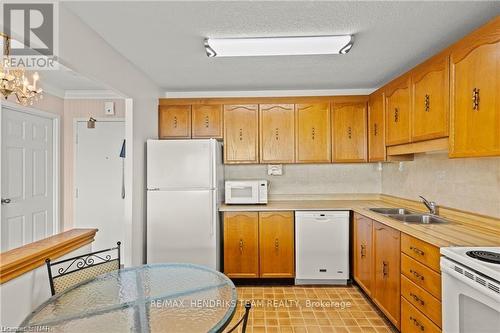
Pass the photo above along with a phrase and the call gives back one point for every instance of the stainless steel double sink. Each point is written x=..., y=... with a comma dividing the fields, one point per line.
x=407, y=216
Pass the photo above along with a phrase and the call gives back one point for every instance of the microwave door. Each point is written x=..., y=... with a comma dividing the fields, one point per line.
x=243, y=193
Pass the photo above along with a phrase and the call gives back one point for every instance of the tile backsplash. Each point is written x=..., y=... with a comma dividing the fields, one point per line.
x=313, y=178
x=470, y=184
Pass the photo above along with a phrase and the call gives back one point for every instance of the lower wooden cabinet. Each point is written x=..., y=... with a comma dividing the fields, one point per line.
x=387, y=271
x=413, y=321
x=241, y=244
x=259, y=244
x=363, y=252
x=421, y=300
x=276, y=244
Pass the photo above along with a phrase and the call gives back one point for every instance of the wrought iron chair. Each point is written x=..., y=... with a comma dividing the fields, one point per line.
x=69, y=272
x=243, y=320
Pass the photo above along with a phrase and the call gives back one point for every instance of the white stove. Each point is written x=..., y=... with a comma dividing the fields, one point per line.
x=471, y=289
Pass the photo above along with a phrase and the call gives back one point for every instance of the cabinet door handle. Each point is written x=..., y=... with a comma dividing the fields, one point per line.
x=349, y=132
x=277, y=133
x=276, y=244
x=385, y=268
x=475, y=99
x=363, y=250
x=375, y=131
x=427, y=106
x=396, y=115
x=417, y=275
x=241, y=245
x=313, y=132
x=417, y=299
x=417, y=323
x=417, y=250
x=175, y=121
x=207, y=121
x=241, y=134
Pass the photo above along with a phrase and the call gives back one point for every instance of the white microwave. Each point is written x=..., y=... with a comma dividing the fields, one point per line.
x=246, y=191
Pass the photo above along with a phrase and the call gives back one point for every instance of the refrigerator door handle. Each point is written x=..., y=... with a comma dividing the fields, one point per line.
x=213, y=220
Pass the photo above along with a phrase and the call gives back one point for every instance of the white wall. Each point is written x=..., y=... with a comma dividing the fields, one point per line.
x=470, y=184
x=20, y=296
x=83, y=50
x=313, y=178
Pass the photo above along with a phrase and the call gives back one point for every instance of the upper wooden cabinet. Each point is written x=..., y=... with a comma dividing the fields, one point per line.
x=475, y=93
x=174, y=121
x=313, y=138
x=387, y=271
x=397, y=116
x=430, y=99
x=277, y=133
x=241, y=130
x=241, y=244
x=276, y=244
x=349, y=131
x=207, y=121
x=363, y=252
x=376, y=127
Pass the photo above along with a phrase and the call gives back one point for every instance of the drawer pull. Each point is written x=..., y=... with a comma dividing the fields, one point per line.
x=417, y=274
x=417, y=323
x=417, y=299
x=417, y=250
x=241, y=245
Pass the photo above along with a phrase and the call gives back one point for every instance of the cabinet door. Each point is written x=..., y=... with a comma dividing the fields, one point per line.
x=276, y=243
x=241, y=134
x=430, y=98
x=207, y=121
x=363, y=252
x=277, y=133
x=397, y=116
x=376, y=126
x=349, y=132
x=387, y=271
x=174, y=121
x=312, y=138
x=241, y=244
x=475, y=98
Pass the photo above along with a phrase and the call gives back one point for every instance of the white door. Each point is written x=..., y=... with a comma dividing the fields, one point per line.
x=182, y=227
x=98, y=181
x=181, y=164
x=27, y=178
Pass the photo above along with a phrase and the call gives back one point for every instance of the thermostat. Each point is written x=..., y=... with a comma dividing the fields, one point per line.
x=109, y=108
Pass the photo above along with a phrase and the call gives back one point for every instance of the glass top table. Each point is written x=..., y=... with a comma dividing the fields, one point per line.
x=149, y=298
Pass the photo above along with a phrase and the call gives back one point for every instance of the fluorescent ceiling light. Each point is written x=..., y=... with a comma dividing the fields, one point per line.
x=274, y=46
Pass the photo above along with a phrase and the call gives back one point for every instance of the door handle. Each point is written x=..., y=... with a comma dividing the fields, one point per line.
x=5, y=201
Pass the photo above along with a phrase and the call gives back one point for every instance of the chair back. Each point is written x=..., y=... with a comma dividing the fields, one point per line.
x=66, y=273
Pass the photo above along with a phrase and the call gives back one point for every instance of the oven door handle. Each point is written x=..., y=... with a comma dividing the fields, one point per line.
x=445, y=268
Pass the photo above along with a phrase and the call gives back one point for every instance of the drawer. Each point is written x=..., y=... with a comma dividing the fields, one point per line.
x=421, y=275
x=422, y=300
x=414, y=321
x=421, y=251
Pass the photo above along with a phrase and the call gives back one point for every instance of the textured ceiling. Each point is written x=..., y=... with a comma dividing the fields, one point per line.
x=165, y=39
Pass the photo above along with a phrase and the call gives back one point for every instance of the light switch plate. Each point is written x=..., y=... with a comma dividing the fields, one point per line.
x=109, y=108
x=275, y=169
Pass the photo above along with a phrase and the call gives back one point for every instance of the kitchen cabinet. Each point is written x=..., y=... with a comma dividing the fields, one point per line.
x=413, y=321
x=241, y=244
x=363, y=252
x=421, y=251
x=207, y=121
x=241, y=134
x=276, y=244
x=475, y=86
x=376, y=127
x=174, y=122
x=387, y=271
x=430, y=99
x=422, y=300
x=397, y=113
x=349, y=132
x=277, y=133
x=313, y=138
x=421, y=275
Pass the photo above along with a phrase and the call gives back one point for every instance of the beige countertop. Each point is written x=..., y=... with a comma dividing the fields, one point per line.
x=464, y=229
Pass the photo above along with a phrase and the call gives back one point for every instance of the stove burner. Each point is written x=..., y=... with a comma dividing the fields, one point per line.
x=491, y=257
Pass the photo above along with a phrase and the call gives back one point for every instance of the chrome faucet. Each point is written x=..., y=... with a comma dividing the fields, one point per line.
x=431, y=205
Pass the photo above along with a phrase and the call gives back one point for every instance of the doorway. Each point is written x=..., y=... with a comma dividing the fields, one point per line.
x=99, y=180
x=29, y=171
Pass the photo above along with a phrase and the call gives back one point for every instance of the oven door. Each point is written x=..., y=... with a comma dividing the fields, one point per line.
x=471, y=302
x=242, y=193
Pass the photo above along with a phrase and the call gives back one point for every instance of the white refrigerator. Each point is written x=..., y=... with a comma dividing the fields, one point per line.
x=185, y=181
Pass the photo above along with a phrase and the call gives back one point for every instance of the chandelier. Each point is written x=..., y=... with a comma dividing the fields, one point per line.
x=13, y=80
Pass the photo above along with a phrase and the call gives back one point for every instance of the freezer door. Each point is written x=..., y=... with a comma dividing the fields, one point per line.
x=181, y=164
x=182, y=227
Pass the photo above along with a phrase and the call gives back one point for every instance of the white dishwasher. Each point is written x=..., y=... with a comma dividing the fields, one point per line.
x=321, y=247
